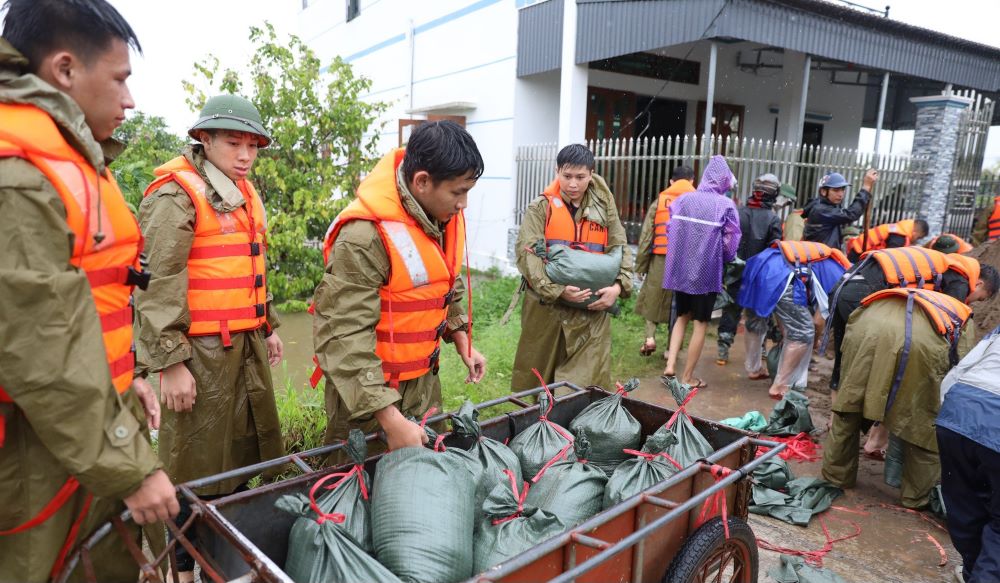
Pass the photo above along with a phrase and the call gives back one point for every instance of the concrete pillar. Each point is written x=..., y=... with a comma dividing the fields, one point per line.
x=881, y=111
x=794, y=90
x=572, y=83
x=713, y=57
x=936, y=137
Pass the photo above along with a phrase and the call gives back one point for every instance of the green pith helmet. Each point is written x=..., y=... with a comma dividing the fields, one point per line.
x=230, y=112
x=787, y=191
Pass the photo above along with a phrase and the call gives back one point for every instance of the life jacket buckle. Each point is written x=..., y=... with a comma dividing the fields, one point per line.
x=254, y=249
x=442, y=327
x=434, y=360
x=259, y=310
x=139, y=279
x=449, y=297
x=258, y=280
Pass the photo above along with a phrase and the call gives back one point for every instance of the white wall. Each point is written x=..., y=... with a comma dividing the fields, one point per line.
x=463, y=50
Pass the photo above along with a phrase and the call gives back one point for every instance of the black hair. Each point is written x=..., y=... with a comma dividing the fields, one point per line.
x=923, y=226
x=86, y=28
x=990, y=277
x=575, y=155
x=442, y=149
x=682, y=172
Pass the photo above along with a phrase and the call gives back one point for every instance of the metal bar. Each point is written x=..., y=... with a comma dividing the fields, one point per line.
x=148, y=572
x=713, y=56
x=668, y=504
x=881, y=110
x=301, y=464
x=537, y=552
x=805, y=97
x=589, y=541
x=206, y=568
x=681, y=510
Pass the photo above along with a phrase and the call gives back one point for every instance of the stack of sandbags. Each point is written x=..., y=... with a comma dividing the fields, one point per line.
x=573, y=490
x=649, y=466
x=610, y=428
x=510, y=526
x=543, y=443
x=493, y=456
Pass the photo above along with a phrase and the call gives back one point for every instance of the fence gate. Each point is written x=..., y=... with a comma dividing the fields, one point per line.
x=967, y=170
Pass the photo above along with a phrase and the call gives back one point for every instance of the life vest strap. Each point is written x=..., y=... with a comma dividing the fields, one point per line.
x=247, y=313
x=223, y=283
x=412, y=337
x=394, y=369
x=419, y=305
x=117, y=319
x=49, y=510
x=234, y=250
x=109, y=275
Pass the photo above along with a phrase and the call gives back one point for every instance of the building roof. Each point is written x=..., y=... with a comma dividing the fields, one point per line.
x=610, y=28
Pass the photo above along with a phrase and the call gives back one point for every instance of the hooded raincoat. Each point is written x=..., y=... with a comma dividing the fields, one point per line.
x=65, y=413
x=234, y=422
x=704, y=233
x=565, y=343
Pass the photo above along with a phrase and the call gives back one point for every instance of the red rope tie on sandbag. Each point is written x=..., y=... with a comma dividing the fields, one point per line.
x=651, y=456
x=439, y=444
x=544, y=418
x=621, y=389
x=520, y=496
x=335, y=517
x=716, y=501
x=682, y=408
x=427, y=415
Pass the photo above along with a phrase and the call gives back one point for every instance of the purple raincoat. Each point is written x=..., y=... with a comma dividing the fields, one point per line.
x=703, y=233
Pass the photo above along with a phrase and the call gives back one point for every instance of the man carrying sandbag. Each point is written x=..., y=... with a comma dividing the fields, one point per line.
x=393, y=288
x=565, y=331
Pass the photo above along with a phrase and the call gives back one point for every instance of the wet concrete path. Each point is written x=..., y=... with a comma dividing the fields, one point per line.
x=893, y=545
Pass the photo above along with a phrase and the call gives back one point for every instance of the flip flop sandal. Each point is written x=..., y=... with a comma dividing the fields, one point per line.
x=698, y=385
x=877, y=455
x=647, y=348
x=758, y=376
x=665, y=379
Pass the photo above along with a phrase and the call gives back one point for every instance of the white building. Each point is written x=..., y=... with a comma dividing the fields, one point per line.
x=785, y=70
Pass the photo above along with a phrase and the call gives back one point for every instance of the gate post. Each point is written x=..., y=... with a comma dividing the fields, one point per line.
x=936, y=137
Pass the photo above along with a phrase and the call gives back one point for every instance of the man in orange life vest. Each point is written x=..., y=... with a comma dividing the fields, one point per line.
x=898, y=346
x=70, y=412
x=987, y=225
x=888, y=236
x=653, y=302
x=393, y=288
x=569, y=342
x=206, y=323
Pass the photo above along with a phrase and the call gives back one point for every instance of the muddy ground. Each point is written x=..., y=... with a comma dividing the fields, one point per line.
x=893, y=545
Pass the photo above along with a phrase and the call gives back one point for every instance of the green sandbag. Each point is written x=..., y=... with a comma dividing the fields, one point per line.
x=509, y=525
x=773, y=356
x=796, y=570
x=325, y=553
x=423, y=513
x=690, y=445
x=805, y=498
x=892, y=469
x=752, y=421
x=773, y=474
x=649, y=467
x=573, y=490
x=790, y=416
x=610, y=428
x=493, y=456
x=732, y=272
x=583, y=269
x=541, y=442
x=349, y=494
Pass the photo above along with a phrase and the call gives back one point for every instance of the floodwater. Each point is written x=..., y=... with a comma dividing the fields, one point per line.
x=296, y=335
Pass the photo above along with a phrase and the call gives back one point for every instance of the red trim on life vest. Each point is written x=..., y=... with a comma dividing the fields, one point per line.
x=99, y=277
x=220, y=283
x=213, y=251
x=117, y=319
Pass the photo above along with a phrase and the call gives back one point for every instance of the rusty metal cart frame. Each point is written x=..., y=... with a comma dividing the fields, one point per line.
x=578, y=554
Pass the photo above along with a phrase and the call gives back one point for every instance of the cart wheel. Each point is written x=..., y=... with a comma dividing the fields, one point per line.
x=708, y=557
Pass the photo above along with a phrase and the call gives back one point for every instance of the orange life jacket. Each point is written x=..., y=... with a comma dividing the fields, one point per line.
x=963, y=246
x=227, y=289
x=877, y=236
x=911, y=266
x=94, y=204
x=106, y=247
x=804, y=252
x=662, y=216
x=967, y=266
x=561, y=229
x=421, y=274
x=947, y=314
x=993, y=226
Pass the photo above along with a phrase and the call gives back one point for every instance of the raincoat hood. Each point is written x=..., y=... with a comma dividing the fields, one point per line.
x=718, y=178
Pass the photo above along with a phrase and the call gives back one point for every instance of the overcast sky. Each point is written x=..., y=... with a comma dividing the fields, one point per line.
x=175, y=34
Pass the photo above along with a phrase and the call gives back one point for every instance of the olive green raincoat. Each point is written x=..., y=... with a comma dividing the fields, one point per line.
x=347, y=308
x=67, y=419
x=234, y=421
x=653, y=302
x=981, y=230
x=565, y=343
x=872, y=347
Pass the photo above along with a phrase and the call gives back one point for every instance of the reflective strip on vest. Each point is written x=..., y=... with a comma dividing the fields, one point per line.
x=408, y=252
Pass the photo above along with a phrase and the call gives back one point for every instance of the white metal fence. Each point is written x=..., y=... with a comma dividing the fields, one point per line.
x=967, y=171
x=636, y=170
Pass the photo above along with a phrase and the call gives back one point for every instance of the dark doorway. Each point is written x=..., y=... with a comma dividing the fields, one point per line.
x=666, y=117
x=812, y=134
x=609, y=113
x=727, y=120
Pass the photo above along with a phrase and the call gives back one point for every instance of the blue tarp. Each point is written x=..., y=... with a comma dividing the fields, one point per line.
x=767, y=273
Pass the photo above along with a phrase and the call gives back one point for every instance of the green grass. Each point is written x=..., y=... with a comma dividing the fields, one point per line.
x=301, y=409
